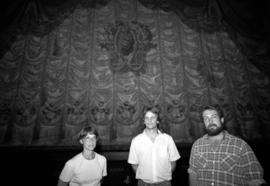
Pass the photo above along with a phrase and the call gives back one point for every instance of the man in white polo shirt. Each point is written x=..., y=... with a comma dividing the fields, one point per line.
x=153, y=154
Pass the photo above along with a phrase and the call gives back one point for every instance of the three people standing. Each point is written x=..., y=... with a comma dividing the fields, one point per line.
x=217, y=158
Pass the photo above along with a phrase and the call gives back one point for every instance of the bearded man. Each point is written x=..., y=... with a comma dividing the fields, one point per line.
x=221, y=159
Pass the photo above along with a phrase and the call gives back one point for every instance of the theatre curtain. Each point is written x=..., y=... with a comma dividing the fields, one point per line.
x=102, y=64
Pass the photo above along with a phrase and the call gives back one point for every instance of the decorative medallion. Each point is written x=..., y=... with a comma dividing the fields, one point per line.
x=176, y=111
x=125, y=113
x=127, y=45
x=100, y=113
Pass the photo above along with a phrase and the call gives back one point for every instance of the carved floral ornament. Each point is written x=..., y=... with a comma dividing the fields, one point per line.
x=127, y=45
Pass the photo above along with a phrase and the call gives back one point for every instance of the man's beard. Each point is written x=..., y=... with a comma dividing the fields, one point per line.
x=214, y=131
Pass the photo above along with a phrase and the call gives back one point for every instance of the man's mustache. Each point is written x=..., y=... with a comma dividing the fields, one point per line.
x=212, y=125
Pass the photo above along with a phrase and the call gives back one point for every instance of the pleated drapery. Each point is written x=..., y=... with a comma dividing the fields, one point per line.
x=54, y=84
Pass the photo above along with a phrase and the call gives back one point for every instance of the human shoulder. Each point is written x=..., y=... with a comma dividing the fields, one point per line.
x=166, y=135
x=71, y=162
x=200, y=140
x=138, y=137
x=100, y=157
x=235, y=139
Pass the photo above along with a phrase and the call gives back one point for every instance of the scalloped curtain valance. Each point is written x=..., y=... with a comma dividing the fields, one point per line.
x=246, y=21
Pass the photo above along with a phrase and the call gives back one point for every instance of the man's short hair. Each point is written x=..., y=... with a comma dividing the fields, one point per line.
x=154, y=110
x=216, y=108
x=87, y=130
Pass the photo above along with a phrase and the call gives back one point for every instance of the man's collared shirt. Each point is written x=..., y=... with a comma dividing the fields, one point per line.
x=232, y=162
x=153, y=158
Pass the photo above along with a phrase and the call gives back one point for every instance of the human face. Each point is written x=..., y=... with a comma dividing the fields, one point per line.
x=150, y=120
x=89, y=142
x=213, y=123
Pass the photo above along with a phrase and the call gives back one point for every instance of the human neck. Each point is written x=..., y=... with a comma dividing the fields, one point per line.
x=89, y=155
x=218, y=137
x=152, y=131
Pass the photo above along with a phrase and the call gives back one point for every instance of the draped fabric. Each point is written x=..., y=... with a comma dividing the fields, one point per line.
x=245, y=21
x=54, y=83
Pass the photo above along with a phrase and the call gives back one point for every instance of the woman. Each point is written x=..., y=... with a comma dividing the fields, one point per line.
x=86, y=168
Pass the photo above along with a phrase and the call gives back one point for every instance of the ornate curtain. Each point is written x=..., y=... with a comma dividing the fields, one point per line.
x=102, y=64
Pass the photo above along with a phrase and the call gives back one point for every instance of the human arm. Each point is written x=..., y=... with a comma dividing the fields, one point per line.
x=104, y=169
x=173, y=153
x=173, y=166
x=192, y=179
x=251, y=166
x=134, y=167
x=62, y=183
x=66, y=174
x=133, y=157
